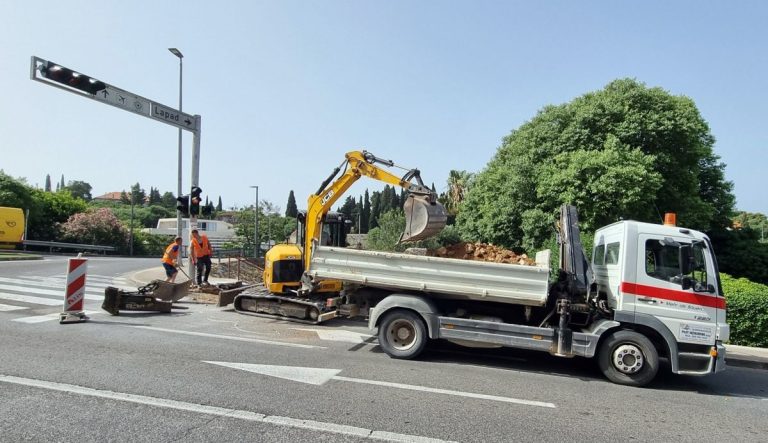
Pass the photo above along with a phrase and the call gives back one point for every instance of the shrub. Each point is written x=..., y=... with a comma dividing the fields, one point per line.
x=747, y=304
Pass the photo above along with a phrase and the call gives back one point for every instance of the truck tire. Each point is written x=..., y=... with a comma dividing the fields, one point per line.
x=628, y=358
x=402, y=334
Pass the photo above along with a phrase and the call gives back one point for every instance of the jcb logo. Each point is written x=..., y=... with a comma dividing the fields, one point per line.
x=326, y=197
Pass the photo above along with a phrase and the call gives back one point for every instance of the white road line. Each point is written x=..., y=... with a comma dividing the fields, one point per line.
x=220, y=412
x=47, y=317
x=32, y=299
x=49, y=283
x=230, y=337
x=447, y=392
x=8, y=308
x=89, y=294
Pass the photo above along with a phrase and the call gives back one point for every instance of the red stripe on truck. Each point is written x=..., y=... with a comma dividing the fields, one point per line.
x=710, y=301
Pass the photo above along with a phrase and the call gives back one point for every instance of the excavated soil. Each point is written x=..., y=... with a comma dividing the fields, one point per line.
x=481, y=252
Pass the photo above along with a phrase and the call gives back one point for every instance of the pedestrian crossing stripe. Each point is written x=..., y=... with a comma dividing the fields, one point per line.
x=8, y=308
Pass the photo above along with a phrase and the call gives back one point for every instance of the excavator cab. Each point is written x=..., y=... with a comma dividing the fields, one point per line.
x=283, y=266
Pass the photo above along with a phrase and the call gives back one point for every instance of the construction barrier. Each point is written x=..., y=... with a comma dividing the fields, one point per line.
x=74, y=293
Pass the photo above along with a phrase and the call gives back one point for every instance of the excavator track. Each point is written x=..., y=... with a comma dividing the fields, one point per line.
x=260, y=303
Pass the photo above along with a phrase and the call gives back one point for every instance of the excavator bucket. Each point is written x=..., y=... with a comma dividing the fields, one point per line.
x=423, y=218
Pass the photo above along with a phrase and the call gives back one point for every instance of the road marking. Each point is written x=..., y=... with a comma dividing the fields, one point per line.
x=47, y=317
x=219, y=412
x=8, y=308
x=231, y=337
x=319, y=376
x=33, y=300
x=90, y=294
x=340, y=335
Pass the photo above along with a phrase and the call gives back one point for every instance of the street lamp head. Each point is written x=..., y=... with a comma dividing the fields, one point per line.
x=176, y=52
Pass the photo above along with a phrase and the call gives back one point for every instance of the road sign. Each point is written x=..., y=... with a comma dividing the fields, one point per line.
x=173, y=117
x=53, y=74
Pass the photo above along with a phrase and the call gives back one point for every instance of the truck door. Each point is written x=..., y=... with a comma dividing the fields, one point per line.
x=690, y=314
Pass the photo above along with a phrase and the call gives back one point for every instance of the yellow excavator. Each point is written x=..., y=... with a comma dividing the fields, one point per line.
x=288, y=290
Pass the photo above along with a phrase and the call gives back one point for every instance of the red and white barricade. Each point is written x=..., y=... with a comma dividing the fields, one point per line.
x=74, y=293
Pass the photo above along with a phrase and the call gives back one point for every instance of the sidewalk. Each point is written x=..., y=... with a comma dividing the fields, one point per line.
x=141, y=278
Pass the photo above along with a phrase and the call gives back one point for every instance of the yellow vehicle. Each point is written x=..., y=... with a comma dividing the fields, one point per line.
x=11, y=228
x=286, y=264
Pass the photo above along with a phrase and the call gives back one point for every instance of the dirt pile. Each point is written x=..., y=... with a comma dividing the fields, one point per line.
x=481, y=252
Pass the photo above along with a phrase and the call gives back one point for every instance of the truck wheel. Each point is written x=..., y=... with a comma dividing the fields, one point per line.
x=402, y=334
x=628, y=358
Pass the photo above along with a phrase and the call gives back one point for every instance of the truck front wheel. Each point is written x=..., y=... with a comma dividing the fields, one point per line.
x=628, y=358
x=402, y=334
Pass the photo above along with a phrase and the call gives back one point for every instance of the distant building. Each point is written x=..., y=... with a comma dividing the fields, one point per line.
x=218, y=232
x=109, y=197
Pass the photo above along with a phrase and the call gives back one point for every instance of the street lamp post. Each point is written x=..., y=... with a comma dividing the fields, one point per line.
x=131, y=234
x=178, y=54
x=256, y=243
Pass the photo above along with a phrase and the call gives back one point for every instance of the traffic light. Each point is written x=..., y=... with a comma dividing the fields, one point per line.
x=194, y=201
x=182, y=205
x=68, y=77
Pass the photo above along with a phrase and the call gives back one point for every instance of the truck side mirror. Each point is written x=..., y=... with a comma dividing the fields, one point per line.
x=686, y=259
x=687, y=283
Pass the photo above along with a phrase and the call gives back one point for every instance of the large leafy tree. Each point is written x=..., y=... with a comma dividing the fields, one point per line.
x=49, y=210
x=79, y=189
x=626, y=151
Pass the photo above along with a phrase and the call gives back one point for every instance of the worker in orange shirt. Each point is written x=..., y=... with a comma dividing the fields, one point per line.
x=201, y=252
x=171, y=260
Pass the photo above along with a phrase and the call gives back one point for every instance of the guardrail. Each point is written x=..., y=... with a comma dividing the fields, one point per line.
x=60, y=245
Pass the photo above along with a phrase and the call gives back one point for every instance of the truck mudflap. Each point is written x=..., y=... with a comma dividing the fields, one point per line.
x=259, y=302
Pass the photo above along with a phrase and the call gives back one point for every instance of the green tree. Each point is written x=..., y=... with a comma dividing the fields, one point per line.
x=15, y=193
x=154, y=197
x=373, y=220
x=348, y=207
x=49, y=210
x=290, y=209
x=168, y=201
x=366, y=214
x=219, y=207
x=61, y=184
x=457, y=185
x=79, y=189
x=47, y=182
x=138, y=195
x=626, y=151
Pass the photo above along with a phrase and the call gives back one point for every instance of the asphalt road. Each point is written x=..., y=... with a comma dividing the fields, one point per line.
x=187, y=376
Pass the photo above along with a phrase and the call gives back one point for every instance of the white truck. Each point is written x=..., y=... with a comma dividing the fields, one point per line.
x=650, y=292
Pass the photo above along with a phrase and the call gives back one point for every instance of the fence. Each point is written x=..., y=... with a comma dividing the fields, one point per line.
x=59, y=245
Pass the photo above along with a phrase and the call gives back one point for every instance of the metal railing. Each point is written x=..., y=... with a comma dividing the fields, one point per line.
x=53, y=244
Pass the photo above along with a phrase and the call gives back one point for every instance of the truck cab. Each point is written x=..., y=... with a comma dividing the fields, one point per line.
x=663, y=281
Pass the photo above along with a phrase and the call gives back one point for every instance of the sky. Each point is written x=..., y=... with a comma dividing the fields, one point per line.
x=285, y=88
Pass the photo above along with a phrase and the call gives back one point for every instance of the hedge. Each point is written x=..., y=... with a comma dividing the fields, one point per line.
x=747, y=304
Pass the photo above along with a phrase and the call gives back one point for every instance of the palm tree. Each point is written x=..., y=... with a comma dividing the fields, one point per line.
x=458, y=183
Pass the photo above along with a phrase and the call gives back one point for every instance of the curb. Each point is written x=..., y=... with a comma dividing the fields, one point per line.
x=746, y=363
x=20, y=257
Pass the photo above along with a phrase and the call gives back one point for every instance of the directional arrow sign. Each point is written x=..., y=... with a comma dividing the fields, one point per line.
x=173, y=117
x=320, y=376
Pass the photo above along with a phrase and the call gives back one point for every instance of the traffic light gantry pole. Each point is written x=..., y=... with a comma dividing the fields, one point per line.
x=56, y=75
